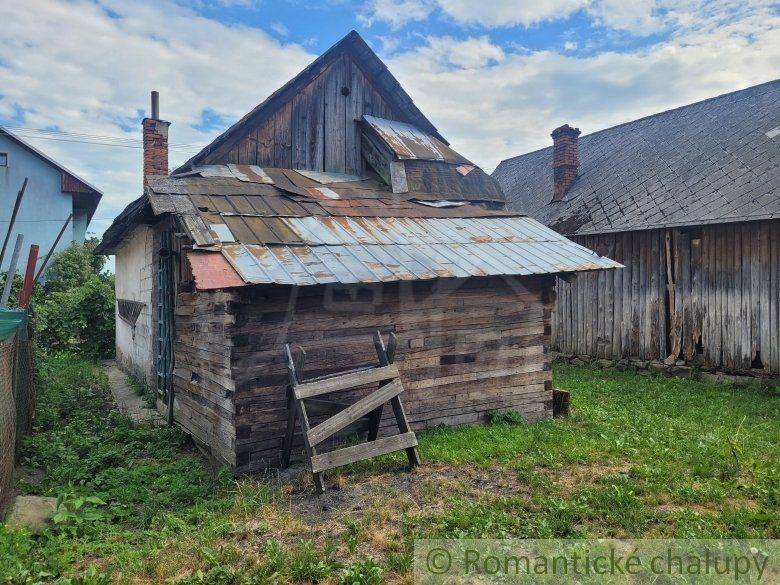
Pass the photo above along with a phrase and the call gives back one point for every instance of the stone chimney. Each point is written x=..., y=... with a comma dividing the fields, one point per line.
x=155, y=133
x=565, y=159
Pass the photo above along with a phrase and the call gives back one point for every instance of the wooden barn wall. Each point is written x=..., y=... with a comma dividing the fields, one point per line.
x=295, y=135
x=202, y=377
x=466, y=348
x=723, y=305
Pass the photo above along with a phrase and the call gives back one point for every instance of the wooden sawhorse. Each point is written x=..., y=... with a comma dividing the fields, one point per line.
x=363, y=415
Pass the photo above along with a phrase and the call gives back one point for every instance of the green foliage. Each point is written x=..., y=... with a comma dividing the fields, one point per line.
x=74, y=309
x=505, y=417
x=367, y=572
x=111, y=477
x=79, y=318
x=76, y=514
x=352, y=535
x=144, y=390
x=308, y=565
x=74, y=267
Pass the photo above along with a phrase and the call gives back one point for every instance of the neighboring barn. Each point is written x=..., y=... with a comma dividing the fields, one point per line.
x=52, y=194
x=380, y=226
x=689, y=201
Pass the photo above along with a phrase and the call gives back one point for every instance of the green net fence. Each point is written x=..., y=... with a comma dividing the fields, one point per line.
x=17, y=393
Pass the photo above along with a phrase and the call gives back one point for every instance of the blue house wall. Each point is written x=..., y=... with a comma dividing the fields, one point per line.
x=44, y=206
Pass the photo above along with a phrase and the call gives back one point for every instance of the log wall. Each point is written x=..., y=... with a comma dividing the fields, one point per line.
x=466, y=348
x=710, y=293
x=202, y=377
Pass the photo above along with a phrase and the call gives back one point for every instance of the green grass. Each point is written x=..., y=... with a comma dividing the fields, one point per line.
x=639, y=457
x=142, y=389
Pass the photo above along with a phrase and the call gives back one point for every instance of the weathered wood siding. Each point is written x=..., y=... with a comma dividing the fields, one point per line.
x=202, y=376
x=712, y=291
x=295, y=135
x=466, y=348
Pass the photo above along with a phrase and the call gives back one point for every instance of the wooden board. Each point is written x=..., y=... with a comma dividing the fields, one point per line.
x=345, y=381
x=347, y=455
x=723, y=310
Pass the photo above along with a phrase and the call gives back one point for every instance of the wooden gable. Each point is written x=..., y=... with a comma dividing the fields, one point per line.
x=317, y=129
x=312, y=121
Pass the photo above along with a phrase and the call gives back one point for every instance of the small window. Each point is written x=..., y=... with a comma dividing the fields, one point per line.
x=3, y=159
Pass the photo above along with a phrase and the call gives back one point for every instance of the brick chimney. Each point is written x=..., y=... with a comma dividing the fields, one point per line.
x=155, y=133
x=565, y=159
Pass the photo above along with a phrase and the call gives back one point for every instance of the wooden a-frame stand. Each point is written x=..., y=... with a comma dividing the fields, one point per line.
x=304, y=398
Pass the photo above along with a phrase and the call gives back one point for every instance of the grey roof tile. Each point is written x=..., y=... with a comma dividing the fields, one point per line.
x=707, y=162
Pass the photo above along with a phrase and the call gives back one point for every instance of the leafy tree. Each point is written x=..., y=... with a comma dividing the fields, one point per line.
x=73, y=267
x=74, y=308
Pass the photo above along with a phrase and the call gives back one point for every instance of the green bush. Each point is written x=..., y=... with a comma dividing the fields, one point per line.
x=74, y=308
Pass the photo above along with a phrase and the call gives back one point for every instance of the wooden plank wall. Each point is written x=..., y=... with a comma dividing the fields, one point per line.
x=466, y=348
x=316, y=130
x=725, y=305
x=202, y=377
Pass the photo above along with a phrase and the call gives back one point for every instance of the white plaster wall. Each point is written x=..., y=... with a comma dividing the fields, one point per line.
x=135, y=282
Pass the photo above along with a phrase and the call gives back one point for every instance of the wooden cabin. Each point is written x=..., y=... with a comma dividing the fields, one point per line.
x=332, y=210
x=689, y=201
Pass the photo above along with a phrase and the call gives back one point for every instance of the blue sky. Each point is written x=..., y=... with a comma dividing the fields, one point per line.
x=495, y=76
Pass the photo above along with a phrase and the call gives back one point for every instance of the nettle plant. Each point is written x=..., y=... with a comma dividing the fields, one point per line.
x=75, y=514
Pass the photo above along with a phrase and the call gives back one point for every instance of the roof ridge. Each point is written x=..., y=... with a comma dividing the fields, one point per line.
x=353, y=42
x=47, y=158
x=649, y=116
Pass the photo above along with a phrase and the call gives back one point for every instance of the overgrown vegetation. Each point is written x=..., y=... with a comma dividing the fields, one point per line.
x=74, y=308
x=144, y=390
x=640, y=457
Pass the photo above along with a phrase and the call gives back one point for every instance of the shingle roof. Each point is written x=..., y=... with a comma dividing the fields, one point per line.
x=714, y=161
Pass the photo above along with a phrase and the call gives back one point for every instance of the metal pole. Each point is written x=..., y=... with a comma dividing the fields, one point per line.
x=9, y=277
x=18, y=202
x=53, y=246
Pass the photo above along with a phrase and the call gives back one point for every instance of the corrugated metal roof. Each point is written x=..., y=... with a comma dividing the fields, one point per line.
x=409, y=142
x=365, y=250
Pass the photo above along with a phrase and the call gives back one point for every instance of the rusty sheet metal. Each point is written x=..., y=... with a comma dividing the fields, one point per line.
x=409, y=142
x=418, y=230
x=327, y=178
x=364, y=250
x=245, y=173
x=212, y=271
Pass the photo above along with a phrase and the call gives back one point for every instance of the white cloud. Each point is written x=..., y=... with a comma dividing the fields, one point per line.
x=509, y=12
x=639, y=17
x=88, y=67
x=510, y=105
x=395, y=12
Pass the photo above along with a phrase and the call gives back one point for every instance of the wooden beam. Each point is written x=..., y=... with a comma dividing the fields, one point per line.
x=355, y=453
x=350, y=414
x=9, y=276
x=15, y=211
x=29, y=278
x=345, y=382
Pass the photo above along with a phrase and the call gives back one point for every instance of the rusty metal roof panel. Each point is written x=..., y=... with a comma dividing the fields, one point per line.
x=356, y=250
x=409, y=142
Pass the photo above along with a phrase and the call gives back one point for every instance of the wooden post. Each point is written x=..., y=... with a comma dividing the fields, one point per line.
x=29, y=278
x=9, y=277
x=305, y=427
x=295, y=375
x=53, y=246
x=17, y=203
x=395, y=402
